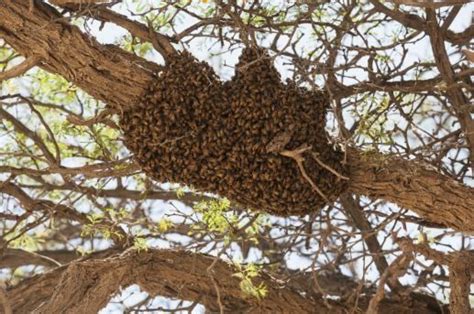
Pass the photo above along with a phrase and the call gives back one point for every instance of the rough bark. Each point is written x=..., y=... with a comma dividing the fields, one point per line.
x=119, y=79
x=461, y=270
x=86, y=286
x=412, y=185
x=104, y=71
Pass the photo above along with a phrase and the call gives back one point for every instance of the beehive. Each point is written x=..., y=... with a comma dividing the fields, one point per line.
x=193, y=129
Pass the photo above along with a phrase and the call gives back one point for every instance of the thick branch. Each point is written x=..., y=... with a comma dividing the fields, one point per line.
x=461, y=269
x=412, y=185
x=105, y=72
x=86, y=286
x=160, y=42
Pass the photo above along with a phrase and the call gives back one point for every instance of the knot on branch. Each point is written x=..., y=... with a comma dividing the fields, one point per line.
x=227, y=138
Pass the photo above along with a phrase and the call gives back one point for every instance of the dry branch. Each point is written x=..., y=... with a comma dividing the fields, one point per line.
x=469, y=54
x=360, y=221
x=67, y=2
x=461, y=270
x=458, y=100
x=55, y=210
x=415, y=22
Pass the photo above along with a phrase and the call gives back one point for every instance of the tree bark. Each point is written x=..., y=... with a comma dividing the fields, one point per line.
x=106, y=72
x=85, y=286
x=120, y=79
x=412, y=185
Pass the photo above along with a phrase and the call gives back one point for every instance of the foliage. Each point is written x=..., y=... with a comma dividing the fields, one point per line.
x=246, y=274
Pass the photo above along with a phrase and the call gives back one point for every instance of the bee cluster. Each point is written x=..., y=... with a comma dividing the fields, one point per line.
x=193, y=129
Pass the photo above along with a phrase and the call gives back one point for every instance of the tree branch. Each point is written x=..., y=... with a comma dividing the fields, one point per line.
x=85, y=286
x=119, y=79
x=461, y=268
x=431, y=3
x=7, y=307
x=13, y=258
x=65, y=2
x=412, y=185
x=160, y=42
x=20, y=69
x=370, y=238
x=415, y=22
x=106, y=72
x=454, y=93
x=21, y=128
x=58, y=210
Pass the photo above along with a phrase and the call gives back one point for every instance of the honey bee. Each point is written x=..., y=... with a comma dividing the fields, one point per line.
x=232, y=125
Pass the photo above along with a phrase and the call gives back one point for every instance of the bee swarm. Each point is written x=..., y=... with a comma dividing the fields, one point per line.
x=193, y=129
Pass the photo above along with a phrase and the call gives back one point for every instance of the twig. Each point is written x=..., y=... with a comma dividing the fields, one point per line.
x=20, y=69
x=461, y=266
x=102, y=117
x=216, y=286
x=396, y=269
x=469, y=54
x=65, y=2
x=297, y=155
x=322, y=164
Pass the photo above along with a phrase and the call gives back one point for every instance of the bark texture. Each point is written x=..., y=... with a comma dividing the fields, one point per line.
x=106, y=72
x=86, y=286
x=411, y=185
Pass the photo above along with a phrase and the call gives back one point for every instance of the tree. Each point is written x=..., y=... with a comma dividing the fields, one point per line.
x=370, y=207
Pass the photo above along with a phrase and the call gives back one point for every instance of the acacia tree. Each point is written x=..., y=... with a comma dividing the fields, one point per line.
x=84, y=217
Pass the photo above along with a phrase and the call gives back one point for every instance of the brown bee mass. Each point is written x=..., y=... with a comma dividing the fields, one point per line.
x=193, y=129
